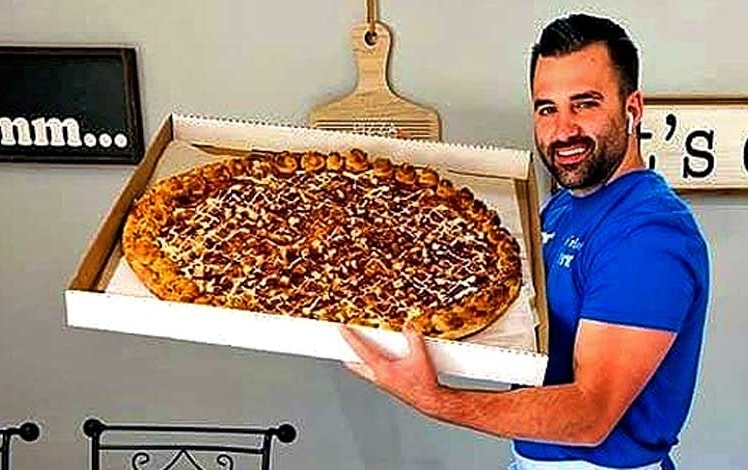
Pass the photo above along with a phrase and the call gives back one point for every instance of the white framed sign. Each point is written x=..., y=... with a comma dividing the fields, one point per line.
x=697, y=143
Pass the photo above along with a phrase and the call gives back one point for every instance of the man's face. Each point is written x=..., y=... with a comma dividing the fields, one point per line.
x=580, y=124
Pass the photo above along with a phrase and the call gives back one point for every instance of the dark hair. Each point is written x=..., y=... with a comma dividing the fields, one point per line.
x=574, y=32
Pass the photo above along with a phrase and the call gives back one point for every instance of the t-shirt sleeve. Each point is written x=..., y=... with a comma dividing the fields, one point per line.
x=642, y=278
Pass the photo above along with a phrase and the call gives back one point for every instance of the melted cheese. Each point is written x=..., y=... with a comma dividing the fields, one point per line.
x=250, y=226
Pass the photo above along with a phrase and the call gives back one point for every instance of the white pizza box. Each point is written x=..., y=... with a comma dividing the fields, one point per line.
x=104, y=294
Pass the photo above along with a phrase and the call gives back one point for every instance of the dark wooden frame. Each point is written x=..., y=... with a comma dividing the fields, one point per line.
x=133, y=111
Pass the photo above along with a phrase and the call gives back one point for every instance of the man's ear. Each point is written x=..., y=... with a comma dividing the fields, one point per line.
x=634, y=110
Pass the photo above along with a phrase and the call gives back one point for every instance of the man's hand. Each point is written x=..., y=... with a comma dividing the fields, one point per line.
x=412, y=378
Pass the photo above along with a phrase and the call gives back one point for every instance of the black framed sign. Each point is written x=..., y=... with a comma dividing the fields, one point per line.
x=697, y=142
x=70, y=105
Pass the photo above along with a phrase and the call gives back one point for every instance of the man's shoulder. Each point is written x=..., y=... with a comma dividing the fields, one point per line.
x=651, y=219
x=653, y=206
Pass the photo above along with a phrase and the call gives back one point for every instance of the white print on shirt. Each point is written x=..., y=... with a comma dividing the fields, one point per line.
x=573, y=244
x=565, y=260
x=547, y=236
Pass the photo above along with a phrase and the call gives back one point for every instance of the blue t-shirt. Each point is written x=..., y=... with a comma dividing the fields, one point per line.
x=632, y=254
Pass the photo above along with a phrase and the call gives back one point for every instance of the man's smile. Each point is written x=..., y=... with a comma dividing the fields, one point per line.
x=573, y=154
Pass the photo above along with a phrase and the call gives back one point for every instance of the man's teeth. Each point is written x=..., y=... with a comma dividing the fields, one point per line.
x=571, y=152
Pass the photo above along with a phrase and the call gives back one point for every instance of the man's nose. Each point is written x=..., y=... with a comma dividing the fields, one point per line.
x=566, y=126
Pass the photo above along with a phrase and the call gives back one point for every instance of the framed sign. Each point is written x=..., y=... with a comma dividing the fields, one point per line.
x=70, y=105
x=697, y=143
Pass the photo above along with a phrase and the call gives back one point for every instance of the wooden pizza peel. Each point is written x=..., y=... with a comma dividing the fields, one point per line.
x=373, y=107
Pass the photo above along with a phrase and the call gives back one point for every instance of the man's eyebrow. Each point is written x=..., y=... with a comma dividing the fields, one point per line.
x=588, y=95
x=539, y=103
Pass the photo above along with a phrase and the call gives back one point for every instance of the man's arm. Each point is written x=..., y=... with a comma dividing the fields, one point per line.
x=612, y=365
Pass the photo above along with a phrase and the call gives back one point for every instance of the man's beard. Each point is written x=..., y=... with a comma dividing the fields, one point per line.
x=605, y=156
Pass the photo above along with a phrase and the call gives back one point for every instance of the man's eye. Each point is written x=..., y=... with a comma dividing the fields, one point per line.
x=545, y=110
x=586, y=104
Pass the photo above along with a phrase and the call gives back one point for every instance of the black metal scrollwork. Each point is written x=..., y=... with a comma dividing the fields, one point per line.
x=225, y=460
x=139, y=459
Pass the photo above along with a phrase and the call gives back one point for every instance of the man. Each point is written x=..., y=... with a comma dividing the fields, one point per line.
x=627, y=273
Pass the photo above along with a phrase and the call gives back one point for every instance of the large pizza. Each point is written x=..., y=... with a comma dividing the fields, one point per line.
x=339, y=237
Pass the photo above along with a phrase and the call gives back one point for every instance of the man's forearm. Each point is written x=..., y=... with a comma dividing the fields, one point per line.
x=558, y=414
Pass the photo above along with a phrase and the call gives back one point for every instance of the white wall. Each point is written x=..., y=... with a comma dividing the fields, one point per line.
x=276, y=60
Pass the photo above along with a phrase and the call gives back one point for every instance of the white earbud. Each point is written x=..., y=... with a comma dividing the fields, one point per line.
x=629, y=123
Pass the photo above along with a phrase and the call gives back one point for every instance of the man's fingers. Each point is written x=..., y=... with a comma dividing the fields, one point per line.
x=362, y=370
x=368, y=352
x=416, y=344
